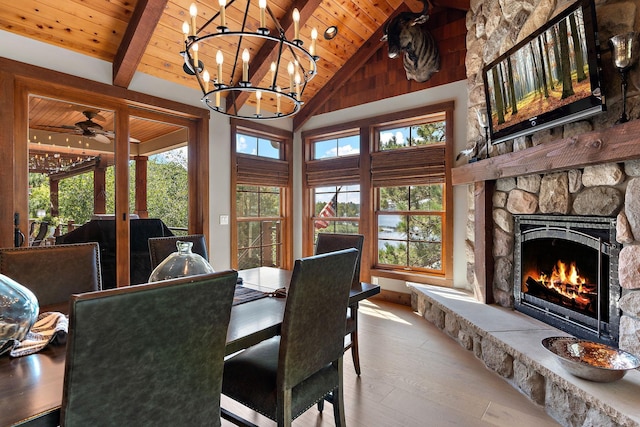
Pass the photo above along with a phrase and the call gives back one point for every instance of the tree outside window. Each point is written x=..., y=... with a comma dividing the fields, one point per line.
x=410, y=211
x=260, y=221
x=413, y=136
x=167, y=191
x=399, y=171
x=259, y=226
x=410, y=223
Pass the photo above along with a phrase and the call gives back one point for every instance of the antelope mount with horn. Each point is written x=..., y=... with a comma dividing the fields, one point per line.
x=406, y=33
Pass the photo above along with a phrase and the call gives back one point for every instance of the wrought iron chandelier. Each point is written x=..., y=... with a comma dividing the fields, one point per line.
x=279, y=93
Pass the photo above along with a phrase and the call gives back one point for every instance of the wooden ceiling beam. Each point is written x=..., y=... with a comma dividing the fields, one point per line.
x=261, y=63
x=368, y=49
x=143, y=23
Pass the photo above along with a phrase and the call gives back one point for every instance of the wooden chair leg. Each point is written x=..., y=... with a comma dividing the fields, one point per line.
x=354, y=351
x=283, y=413
x=338, y=400
x=355, y=355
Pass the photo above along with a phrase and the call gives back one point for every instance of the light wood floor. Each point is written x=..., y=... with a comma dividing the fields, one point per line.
x=415, y=375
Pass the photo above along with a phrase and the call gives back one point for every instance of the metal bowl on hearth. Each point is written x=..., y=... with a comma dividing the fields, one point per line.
x=591, y=360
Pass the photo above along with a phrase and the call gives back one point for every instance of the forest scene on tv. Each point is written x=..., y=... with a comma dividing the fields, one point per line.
x=548, y=72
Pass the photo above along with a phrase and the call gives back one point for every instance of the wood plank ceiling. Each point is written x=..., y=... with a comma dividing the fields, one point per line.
x=146, y=35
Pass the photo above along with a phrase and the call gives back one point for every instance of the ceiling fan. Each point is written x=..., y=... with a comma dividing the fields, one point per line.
x=90, y=129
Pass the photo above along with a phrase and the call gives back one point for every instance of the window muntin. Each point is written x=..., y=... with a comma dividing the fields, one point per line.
x=259, y=226
x=427, y=133
x=336, y=209
x=336, y=147
x=410, y=223
x=257, y=146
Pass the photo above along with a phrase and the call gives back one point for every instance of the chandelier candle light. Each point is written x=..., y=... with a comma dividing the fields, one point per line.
x=279, y=93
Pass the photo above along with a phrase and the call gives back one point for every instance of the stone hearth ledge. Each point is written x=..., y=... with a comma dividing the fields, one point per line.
x=509, y=343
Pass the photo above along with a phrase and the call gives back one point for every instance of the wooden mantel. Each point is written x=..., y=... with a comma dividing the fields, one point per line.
x=618, y=143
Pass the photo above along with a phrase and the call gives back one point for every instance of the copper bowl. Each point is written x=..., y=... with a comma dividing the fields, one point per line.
x=591, y=360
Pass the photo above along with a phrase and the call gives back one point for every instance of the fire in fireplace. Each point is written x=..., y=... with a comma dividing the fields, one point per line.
x=564, y=286
x=566, y=274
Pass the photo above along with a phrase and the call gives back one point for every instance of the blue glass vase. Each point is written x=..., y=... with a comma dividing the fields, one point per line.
x=18, y=312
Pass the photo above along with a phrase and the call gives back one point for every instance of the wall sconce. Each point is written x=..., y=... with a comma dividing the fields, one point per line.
x=624, y=47
x=483, y=121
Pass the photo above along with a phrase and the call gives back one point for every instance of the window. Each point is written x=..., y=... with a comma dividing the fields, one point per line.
x=413, y=136
x=261, y=209
x=332, y=177
x=385, y=177
x=410, y=222
x=408, y=174
x=337, y=209
x=336, y=147
x=259, y=221
x=257, y=146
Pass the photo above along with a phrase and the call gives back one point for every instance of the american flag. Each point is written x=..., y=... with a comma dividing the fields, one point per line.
x=328, y=211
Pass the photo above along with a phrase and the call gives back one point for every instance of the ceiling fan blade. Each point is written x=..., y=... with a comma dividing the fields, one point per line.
x=67, y=127
x=111, y=134
x=101, y=138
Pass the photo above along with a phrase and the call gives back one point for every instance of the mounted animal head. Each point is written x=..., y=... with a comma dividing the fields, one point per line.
x=406, y=33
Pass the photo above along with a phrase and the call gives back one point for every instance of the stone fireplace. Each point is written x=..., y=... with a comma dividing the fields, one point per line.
x=561, y=177
x=586, y=169
x=601, y=193
x=566, y=274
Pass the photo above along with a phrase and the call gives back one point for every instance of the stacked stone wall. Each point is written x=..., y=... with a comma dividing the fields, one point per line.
x=608, y=190
x=612, y=190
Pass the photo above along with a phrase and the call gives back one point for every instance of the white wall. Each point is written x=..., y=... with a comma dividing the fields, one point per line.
x=51, y=57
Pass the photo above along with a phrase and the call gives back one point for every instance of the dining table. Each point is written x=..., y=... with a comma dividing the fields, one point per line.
x=31, y=386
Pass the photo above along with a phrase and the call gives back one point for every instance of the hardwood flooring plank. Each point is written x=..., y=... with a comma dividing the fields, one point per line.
x=414, y=375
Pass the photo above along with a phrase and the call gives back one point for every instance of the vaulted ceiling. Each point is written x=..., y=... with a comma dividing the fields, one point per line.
x=146, y=35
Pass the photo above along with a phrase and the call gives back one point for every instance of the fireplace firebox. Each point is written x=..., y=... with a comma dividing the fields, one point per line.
x=566, y=274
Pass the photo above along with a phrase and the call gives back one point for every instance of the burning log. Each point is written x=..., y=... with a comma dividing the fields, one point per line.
x=567, y=294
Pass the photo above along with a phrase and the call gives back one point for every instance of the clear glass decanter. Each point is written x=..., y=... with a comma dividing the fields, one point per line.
x=180, y=264
x=18, y=312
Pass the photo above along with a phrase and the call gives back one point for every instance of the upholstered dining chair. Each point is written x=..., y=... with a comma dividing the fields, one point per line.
x=162, y=247
x=329, y=242
x=54, y=273
x=284, y=376
x=149, y=354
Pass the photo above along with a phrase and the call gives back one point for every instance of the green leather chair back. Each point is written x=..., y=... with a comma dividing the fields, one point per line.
x=330, y=242
x=148, y=355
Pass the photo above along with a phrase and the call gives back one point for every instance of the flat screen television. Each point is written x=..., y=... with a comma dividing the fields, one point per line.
x=550, y=78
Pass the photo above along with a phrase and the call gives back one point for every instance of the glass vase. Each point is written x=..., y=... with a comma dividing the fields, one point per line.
x=180, y=264
x=18, y=312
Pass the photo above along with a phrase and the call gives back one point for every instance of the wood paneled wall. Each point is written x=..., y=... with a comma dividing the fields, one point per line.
x=382, y=77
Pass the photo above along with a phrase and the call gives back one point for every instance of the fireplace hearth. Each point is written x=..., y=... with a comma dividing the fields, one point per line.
x=566, y=274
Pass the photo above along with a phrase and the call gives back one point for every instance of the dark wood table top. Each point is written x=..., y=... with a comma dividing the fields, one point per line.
x=268, y=279
x=31, y=386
